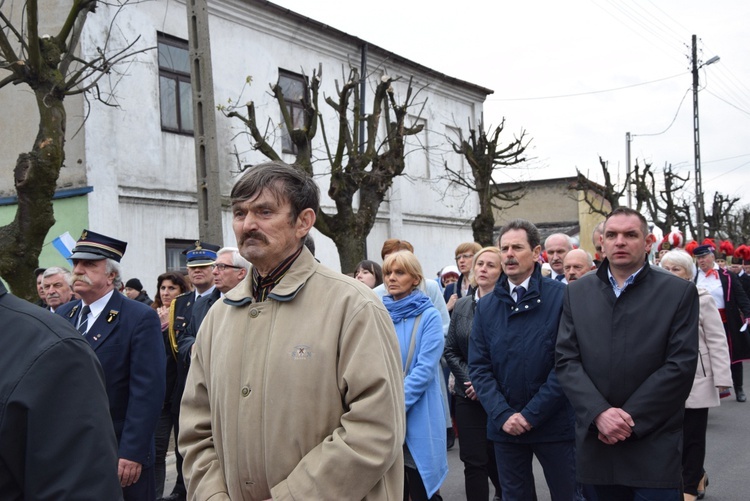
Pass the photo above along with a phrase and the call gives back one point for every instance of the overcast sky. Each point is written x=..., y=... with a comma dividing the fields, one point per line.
x=553, y=66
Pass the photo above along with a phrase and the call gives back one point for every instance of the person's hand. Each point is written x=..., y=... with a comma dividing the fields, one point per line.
x=451, y=302
x=163, y=312
x=614, y=425
x=516, y=425
x=128, y=471
x=470, y=391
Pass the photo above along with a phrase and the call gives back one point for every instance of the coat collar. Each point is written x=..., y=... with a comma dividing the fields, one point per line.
x=294, y=279
x=502, y=289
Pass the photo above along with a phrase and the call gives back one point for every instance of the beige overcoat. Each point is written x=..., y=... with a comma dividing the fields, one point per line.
x=713, y=357
x=297, y=397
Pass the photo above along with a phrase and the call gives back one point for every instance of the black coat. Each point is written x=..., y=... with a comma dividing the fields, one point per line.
x=457, y=343
x=55, y=433
x=637, y=352
x=736, y=307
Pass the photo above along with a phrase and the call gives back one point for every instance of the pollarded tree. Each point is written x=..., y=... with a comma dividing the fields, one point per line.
x=486, y=156
x=596, y=194
x=661, y=198
x=52, y=70
x=363, y=165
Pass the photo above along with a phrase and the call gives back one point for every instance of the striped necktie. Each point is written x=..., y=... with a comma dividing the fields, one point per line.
x=83, y=320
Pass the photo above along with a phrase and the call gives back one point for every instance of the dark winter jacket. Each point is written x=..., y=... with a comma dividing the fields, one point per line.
x=512, y=361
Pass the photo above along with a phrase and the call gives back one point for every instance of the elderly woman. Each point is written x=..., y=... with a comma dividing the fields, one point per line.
x=476, y=452
x=711, y=377
x=420, y=334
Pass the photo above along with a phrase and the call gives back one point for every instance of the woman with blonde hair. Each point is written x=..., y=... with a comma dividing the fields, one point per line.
x=711, y=377
x=420, y=335
x=476, y=452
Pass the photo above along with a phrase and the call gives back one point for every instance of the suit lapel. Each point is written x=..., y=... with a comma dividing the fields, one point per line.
x=106, y=323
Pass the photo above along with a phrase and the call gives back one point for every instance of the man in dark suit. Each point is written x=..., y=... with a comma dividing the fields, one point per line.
x=126, y=337
x=726, y=289
x=626, y=354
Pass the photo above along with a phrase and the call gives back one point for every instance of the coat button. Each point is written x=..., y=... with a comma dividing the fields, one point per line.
x=254, y=313
x=245, y=391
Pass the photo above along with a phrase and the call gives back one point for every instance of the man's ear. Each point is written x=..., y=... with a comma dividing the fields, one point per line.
x=305, y=222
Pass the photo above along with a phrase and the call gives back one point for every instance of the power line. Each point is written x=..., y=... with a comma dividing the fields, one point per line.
x=590, y=92
x=673, y=119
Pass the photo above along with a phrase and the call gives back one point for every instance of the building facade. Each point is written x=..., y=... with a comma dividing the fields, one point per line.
x=130, y=168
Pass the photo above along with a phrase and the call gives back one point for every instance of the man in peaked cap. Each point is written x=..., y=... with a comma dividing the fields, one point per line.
x=200, y=259
x=126, y=337
x=726, y=289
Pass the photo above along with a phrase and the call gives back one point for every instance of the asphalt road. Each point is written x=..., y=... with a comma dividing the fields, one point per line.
x=727, y=457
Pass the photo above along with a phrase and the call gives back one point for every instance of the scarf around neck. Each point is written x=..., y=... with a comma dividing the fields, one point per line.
x=410, y=306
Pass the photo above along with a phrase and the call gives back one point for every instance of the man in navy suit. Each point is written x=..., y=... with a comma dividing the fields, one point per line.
x=126, y=337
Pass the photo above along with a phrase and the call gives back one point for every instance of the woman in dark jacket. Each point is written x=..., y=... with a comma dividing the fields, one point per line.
x=476, y=452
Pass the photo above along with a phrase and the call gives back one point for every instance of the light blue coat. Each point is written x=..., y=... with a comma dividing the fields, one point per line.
x=425, y=422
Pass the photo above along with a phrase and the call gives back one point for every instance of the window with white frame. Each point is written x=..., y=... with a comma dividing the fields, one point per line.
x=175, y=89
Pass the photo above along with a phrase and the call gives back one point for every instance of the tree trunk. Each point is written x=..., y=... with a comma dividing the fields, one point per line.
x=36, y=175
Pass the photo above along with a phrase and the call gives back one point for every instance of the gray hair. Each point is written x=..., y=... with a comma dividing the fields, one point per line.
x=114, y=267
x=57, y=270
x=680, y=258
x=566, y=237
x=237, y=259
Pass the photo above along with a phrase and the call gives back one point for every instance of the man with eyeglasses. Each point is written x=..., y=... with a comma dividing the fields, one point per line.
x=229, y=269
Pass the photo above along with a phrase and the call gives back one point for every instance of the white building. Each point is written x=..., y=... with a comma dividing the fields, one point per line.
x=130, y=170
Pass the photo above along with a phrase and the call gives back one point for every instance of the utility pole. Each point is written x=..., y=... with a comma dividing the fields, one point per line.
x=627, y=168
x=696, y=138
x=204, y=119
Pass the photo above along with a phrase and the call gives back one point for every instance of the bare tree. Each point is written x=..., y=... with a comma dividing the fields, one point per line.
x=721, y=212
x=486, y=157
x=595, y=194
x=50, y=67
x=661, y=197
x=738, y=225
x=359, y=165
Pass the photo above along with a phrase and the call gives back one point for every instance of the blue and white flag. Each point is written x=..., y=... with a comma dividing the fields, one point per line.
x=64, y=245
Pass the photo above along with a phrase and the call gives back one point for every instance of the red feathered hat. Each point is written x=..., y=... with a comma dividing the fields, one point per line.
x=743, y=253
x=690, y=247
x=726, y=248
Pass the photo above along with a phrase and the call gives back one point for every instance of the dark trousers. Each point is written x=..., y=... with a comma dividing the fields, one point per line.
x=514, y=468
x=414, y=487
x=693, y=448
x=144, y=489
x=624, y=493
x=476, y=452
x=737, y=374
x=167, y=425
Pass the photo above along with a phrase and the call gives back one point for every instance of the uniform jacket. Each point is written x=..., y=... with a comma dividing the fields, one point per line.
x=457, y=342
x=425, y=422
x=637, y=352
x=745, y=281
x=127, y=339
x=186, y=339
x=512, y=361
x=299, y=396
x=737, y=307
x=55, y=431
x=712, y=370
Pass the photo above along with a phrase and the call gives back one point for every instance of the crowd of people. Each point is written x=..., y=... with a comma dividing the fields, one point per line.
x=280, y=378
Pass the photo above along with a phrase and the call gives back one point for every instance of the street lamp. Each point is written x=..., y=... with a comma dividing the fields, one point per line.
x=696, y=137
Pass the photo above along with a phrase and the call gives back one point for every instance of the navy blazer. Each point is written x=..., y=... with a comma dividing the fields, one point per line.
x=127, y=339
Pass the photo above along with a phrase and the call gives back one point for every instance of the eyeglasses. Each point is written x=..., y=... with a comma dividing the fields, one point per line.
x=464, y=256
x=222, y=266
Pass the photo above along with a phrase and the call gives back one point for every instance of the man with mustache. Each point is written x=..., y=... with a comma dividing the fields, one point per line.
x=576, y=264
x=57, y=290
x=557, y=246
x=126, y=337
x=295, y=389
x=512, y=369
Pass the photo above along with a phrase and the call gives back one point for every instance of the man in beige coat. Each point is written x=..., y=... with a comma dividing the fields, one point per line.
x=295, y=389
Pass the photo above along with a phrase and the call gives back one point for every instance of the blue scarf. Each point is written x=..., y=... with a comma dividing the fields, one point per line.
x=408, y=307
